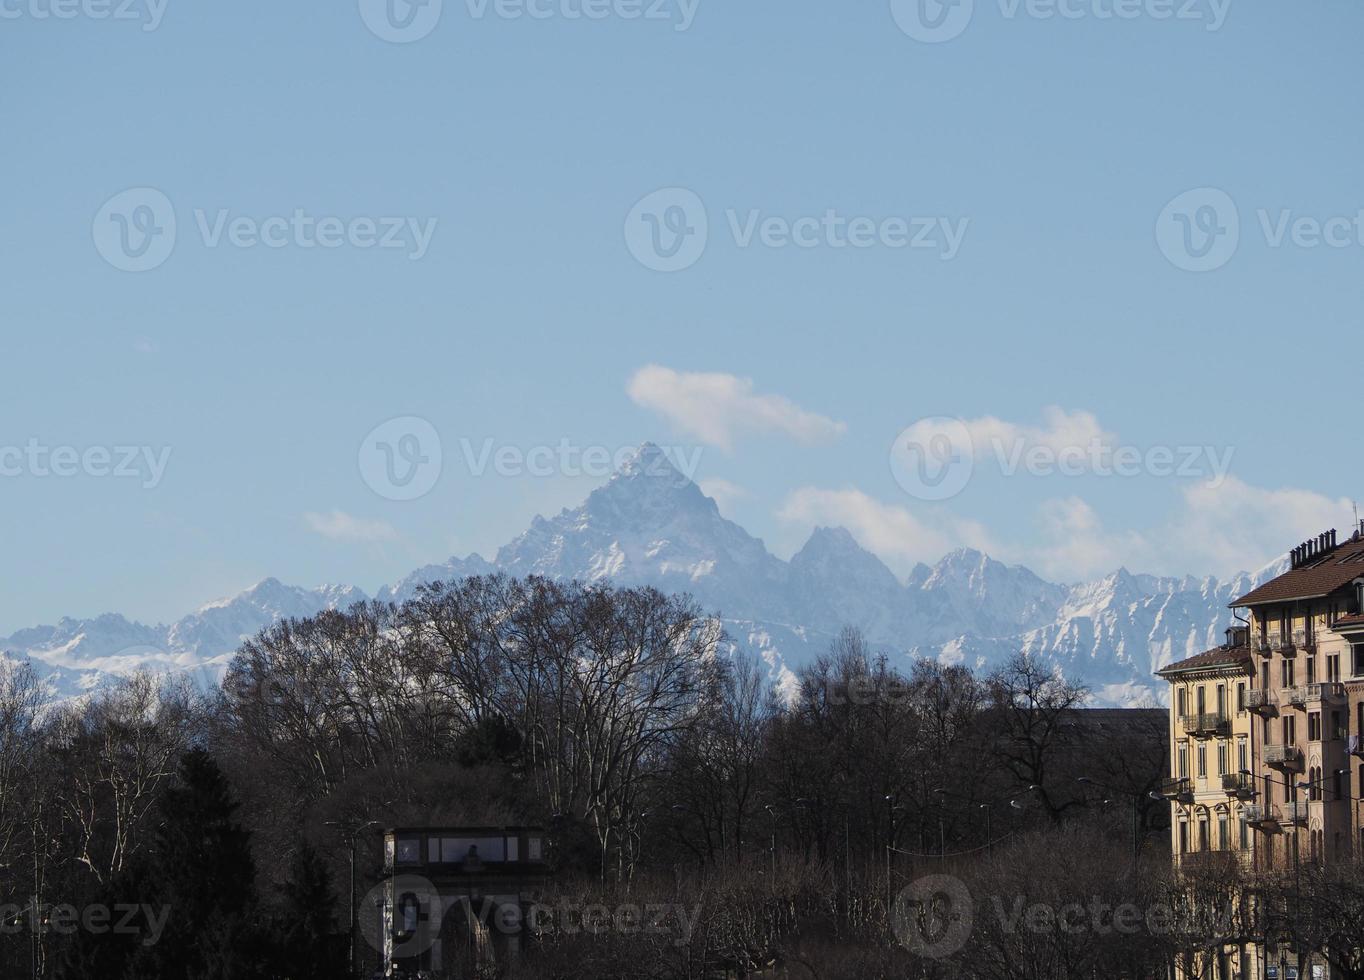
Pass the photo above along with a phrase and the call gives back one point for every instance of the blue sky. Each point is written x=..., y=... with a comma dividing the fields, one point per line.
x=522, y=144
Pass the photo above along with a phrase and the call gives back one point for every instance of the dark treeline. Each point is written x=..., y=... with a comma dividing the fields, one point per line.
x=620, y=720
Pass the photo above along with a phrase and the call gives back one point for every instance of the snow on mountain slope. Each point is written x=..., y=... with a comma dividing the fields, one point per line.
x=649, y=525
x=80, y=655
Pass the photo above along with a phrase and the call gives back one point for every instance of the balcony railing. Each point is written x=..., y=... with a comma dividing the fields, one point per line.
x=1223, y=860
x=1207, y=723
x=1329, y=691
x=1282, y=644
x=1296, y=696
x=1302, y=640
x=1238, y=785
x=1259, y=700
x=1292, y=814
x=1262, y=645
x=1283, y=756
x=1177, y=789
x=1258, y=815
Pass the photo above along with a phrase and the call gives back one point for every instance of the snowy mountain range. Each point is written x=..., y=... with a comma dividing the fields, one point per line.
x=649, y=525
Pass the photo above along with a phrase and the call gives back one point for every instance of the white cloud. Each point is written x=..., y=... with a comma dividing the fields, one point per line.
x=889, y=531
x=1216, y=530
x=723, y=492
x=718, y=408
x=1236, y=526
x=340, y=526
x=999, y=439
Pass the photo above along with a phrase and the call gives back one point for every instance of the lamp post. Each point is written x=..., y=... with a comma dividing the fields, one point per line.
x=350, y=831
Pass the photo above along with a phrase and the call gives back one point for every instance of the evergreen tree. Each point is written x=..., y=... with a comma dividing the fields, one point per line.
x=308, y=945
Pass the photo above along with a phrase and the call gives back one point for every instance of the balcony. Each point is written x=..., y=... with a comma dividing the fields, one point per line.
x=1302, y=640
x=1225, y=861
x=1207, y=724
x=1330, y=691
x=1262, y=645
x=1258, y=816
x=1281, y=644
x=1180, y=790
x=1295, y=696
x=1259, y=700
x=1293, y=814
x=1283, y=757
x=1240, y=786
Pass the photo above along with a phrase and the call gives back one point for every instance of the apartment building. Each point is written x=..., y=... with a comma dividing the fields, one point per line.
x=1211, y=730
x=1307, y=655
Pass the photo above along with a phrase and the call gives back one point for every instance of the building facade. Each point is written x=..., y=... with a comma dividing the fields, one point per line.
x=1267, y=734
x=454, y=898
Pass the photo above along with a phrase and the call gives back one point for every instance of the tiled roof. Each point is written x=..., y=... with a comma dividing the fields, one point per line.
x=1221, y=657
x=1318, y=577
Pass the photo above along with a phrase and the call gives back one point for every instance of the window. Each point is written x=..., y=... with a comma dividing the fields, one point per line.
x=1241, y=697
x=1202, y=700
x=1222, y=758
x=1245, y=836
x=1337, y=729
x=1290, y=730
x=1202, y=833
x=1333, y=667
x=534, y=849
x=1222, y=699
x=408, y=850
x=1314, y=727
x=1264, y=676
x=1242, y=755
x=1202, y=760
x=1311, y=668
x=1184, y=836
x=1183, y=760
x=1338, y=784
x=1357, y=667
x=1223, y=832
x=1183, y=696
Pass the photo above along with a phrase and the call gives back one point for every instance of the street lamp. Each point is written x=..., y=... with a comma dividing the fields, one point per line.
x=351, y=830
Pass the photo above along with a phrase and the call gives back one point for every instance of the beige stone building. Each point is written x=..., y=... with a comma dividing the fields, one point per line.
x=1267, y=732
